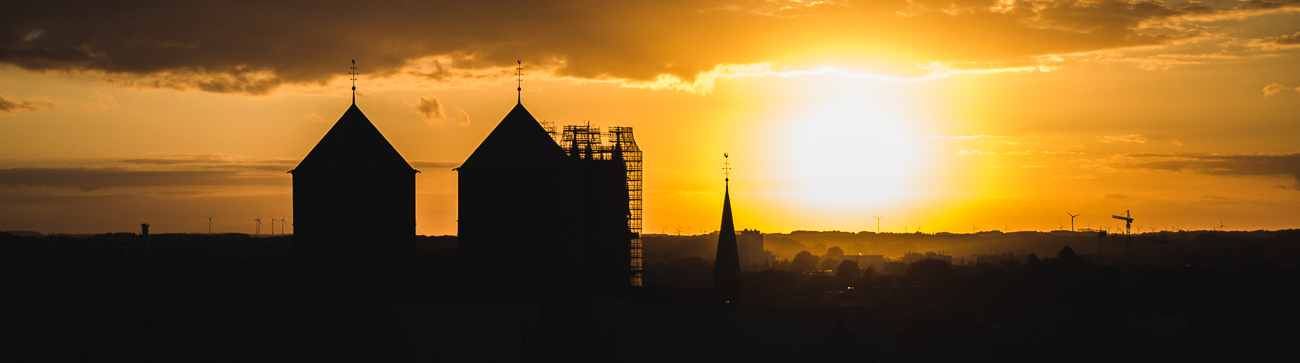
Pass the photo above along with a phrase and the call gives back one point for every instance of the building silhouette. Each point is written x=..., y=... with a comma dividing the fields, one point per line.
x=749, y=245
x=354, y=208
x=726, y=267
x=531, y=211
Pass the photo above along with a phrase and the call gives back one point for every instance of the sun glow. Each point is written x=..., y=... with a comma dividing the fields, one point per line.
x=850, y=154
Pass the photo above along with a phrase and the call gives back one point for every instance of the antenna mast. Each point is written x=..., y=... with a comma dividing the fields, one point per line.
x=354, y=81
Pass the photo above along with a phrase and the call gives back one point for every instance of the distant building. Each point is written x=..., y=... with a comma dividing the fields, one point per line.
x=877, y=262
x=912, y=257
x=749, y=243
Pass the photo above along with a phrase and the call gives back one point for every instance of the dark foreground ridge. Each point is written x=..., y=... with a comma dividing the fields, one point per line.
x=231, y=297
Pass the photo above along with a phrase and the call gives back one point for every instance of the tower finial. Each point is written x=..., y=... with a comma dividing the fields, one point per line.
x=519, y=80
x=726, y=167
x=354, y=81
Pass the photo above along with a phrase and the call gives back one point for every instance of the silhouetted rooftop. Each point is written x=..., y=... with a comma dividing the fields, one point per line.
x=518, y=142
x=353, y=143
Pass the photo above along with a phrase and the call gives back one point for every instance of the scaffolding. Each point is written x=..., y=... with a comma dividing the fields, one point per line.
x=622, y=140
x=585, y=142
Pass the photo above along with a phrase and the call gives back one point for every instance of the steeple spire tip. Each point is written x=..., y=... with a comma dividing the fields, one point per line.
x=519, y=81
x=354, y=82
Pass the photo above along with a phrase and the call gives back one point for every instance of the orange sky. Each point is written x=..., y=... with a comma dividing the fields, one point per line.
x=948, y=115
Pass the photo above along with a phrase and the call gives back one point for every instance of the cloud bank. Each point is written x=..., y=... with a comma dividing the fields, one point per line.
x=255, y=47
x=1214, y=164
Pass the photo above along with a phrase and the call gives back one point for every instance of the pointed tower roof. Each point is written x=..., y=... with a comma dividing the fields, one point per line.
x=519, y=141
x=353, y=143
x=727, y=263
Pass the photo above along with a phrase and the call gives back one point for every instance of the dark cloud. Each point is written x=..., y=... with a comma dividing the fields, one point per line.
x=252, y=47
x=88, y=179
x=11, y=105
x=431, y=108
x=1240, y=164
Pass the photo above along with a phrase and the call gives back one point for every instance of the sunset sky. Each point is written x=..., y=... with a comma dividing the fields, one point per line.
x=948, y=115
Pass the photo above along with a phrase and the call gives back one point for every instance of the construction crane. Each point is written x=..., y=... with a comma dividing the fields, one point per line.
x=1128, y=224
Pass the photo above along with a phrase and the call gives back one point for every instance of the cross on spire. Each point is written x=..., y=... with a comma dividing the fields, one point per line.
x=354, y=81
x=519, y=80
x=726, y=166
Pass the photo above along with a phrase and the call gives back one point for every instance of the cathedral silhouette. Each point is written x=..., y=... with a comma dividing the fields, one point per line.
x=548, y=262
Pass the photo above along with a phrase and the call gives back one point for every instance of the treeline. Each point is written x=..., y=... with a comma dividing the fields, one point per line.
x=1150, y=247
x=1056, y=307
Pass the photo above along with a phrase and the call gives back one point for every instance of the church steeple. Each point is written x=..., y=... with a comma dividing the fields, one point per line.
x=726, y=267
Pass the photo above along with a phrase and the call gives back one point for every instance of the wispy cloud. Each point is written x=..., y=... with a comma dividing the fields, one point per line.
x=1281, y=41
x=89, y=179
x=963, y=137
x=32, y=105
x=1134, y=138
x=434, y=164
x=314, y=117
x=1043, y=152
x=976, y=152
x=1212, y=164
x=1276, y=88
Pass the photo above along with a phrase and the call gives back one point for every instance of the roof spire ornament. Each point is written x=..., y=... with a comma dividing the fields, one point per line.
x=519, y=80
x=354, y=81
x=726, y=167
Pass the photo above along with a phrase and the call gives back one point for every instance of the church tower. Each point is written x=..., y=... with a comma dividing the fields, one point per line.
x=726, y=267
x=354, y=237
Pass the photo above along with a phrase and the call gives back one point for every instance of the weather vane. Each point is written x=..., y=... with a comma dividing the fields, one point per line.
x=726, y=166
x=354, y=81
x=519, y=79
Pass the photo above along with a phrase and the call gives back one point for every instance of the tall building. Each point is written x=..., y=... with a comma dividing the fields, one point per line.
x=749, y=244
x=354, y=235
x=529, y=210
x=726, y=266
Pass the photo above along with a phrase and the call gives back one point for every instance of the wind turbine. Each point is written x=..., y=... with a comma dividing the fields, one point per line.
x=904, y=229
x=878, y=223
x=972, y=228
x=1072, y=219
x=1059, y=225
x=273, y=224
x=283, y=223
x=258, y=226
x=1220, y=227
x=210, y=223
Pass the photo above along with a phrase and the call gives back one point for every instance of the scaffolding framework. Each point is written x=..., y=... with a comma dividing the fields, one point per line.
x=586, y=142
x=621, y=138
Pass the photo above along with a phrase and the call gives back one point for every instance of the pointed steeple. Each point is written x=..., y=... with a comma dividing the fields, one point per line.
x=354, y=143
x=519, y=141
x=726, y=267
